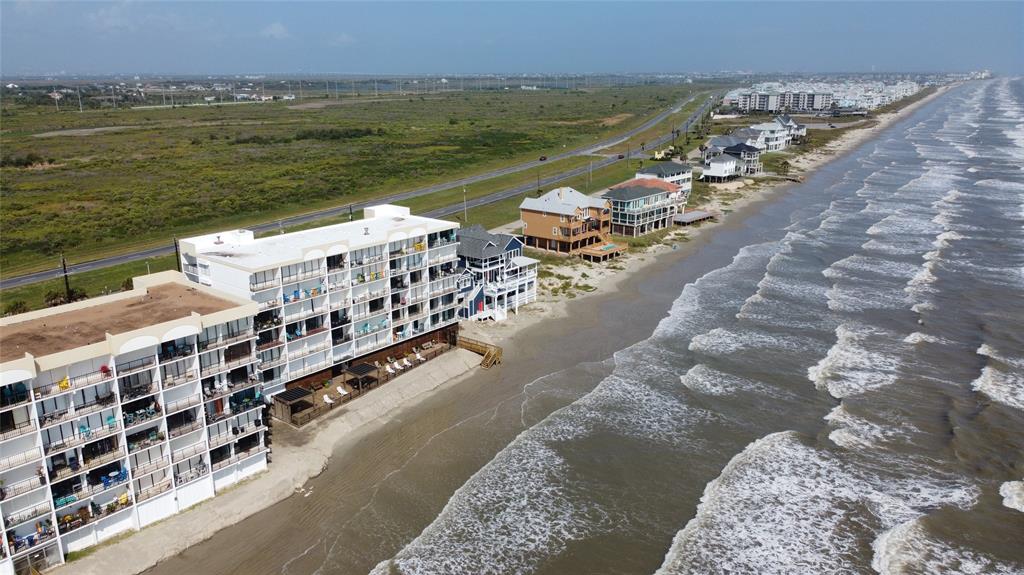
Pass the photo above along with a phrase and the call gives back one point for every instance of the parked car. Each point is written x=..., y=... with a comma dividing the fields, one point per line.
x=621, y=156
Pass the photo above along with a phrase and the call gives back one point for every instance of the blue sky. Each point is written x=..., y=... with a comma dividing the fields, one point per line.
x=458, y=37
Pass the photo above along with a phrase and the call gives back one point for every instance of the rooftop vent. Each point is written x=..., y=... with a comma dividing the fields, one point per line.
x=366, y=231
x=218, y=241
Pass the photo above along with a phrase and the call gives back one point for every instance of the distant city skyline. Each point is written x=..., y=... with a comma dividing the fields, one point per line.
x=39, y=38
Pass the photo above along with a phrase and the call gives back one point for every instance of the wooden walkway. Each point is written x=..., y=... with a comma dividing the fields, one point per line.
x=491, y=353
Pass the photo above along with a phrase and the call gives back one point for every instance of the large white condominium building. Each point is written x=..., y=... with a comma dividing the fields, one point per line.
x=119, y=411
x=330, y=295
x=772, y=101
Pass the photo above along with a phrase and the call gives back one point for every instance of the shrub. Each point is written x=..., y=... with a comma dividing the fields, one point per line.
x=15, y=307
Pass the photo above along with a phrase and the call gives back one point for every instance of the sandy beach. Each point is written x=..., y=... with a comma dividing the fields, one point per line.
x=301, y=455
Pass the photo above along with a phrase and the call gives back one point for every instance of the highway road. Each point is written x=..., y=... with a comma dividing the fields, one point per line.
x=590, y=149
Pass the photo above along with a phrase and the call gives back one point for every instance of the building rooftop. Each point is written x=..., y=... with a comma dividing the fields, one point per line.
x=87, y=322
x=640, y=188
x=477, y=243
x=241, y=248
x=664, y=169
x=563, y=201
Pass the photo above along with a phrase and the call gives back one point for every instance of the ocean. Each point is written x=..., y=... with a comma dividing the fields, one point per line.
x=844, y=393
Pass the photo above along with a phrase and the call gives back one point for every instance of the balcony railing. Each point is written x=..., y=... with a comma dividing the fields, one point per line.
x=177, y=352
x=255, y=450
x=24, y=486
x=31, y=541
x=19, y=459
x=135, y=366
x=18, y=430
x=150, y=466
x=174, y=380
x=191, y=475
x=151, y=492
x=100, y=460
x=264, y=285
x=190, y=451
x=185, y=428
x=81, y=438
x=17, y=518
x=226, y=339
x=302, y=276
x=76, y=382
x=182, y=404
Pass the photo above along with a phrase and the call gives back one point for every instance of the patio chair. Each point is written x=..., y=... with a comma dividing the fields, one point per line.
x=420, y=358
x=328, y=400
x=106, y=481
x=389, y=369
x=341, y=391
x=398, y=366
x=111, y=422
x=85, y=431
x=406, y=362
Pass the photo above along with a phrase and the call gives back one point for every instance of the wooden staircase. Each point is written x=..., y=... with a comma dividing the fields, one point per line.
x=491, y=353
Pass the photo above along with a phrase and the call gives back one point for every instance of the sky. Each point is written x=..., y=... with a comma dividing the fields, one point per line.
x=523, y=37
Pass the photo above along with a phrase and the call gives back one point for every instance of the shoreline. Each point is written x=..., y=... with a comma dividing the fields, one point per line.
x=301, y=455
x=609, y=275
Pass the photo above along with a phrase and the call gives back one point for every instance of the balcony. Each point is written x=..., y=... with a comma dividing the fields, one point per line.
x=24, y=486
x=174, y=380
x=269, y=345
x=18, y=430
x=264, y=285
x=191, y=475
x=296, y=373
x=150, y=466
x=286, y=280
x=131, y=393
x=77, y=382
x=25, y=515
x=151, y=492
x=226, y=339
x=182, y=404
x=176, y=352
x=308, y=350
x=135, y=366
x=255, y=450
x=185, y=428
x=100, y=460
x=154, y=439
x=190, y=451
x=83, y=436
x=22, y=544
x=309, y=333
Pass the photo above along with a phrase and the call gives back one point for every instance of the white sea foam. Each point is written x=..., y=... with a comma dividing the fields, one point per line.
x=1001, y=386
x=1013, y=494
x=781, y=504
x=710, y=381
x=856, y=364
x=852, y=432
x=908, y=548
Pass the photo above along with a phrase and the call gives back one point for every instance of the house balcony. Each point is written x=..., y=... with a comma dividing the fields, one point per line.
x=24, y=544
x=308, y=350
x=269, y=345
x=296, y=373
x=182, y=404
x=226, y=339
x=178, y=352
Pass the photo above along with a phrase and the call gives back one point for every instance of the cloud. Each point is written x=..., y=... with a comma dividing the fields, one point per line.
x=275, y=31
x=343, y=39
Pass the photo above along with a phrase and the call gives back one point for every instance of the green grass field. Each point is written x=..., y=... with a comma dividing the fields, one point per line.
x=151, y=174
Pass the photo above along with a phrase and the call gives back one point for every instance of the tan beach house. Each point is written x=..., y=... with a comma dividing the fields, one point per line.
x=569, y=222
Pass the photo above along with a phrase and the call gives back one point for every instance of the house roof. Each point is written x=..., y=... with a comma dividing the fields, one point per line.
x=562, y=201
x=663, y=169
x=784, y=119
x=747, y=133
x=724, y=158
x=725, y=141
x=648, y=183
x=740, y=148
x=627, y=193
x=768, y=126
x=477, y=243
x=523, y=261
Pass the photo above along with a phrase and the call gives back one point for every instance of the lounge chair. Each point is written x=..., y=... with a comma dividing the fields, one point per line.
x=398, y=366
x=389, y=369
x=420, y=358
x=406, y=362
x=328, y=400
x=341, y=391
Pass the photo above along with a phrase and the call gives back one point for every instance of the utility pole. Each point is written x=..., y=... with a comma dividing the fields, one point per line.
x=67, y=283
x=56, y=98
x=79, y=90
x=465, y=207
x=300, y=89
x=590, y=175
x=375, y=92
